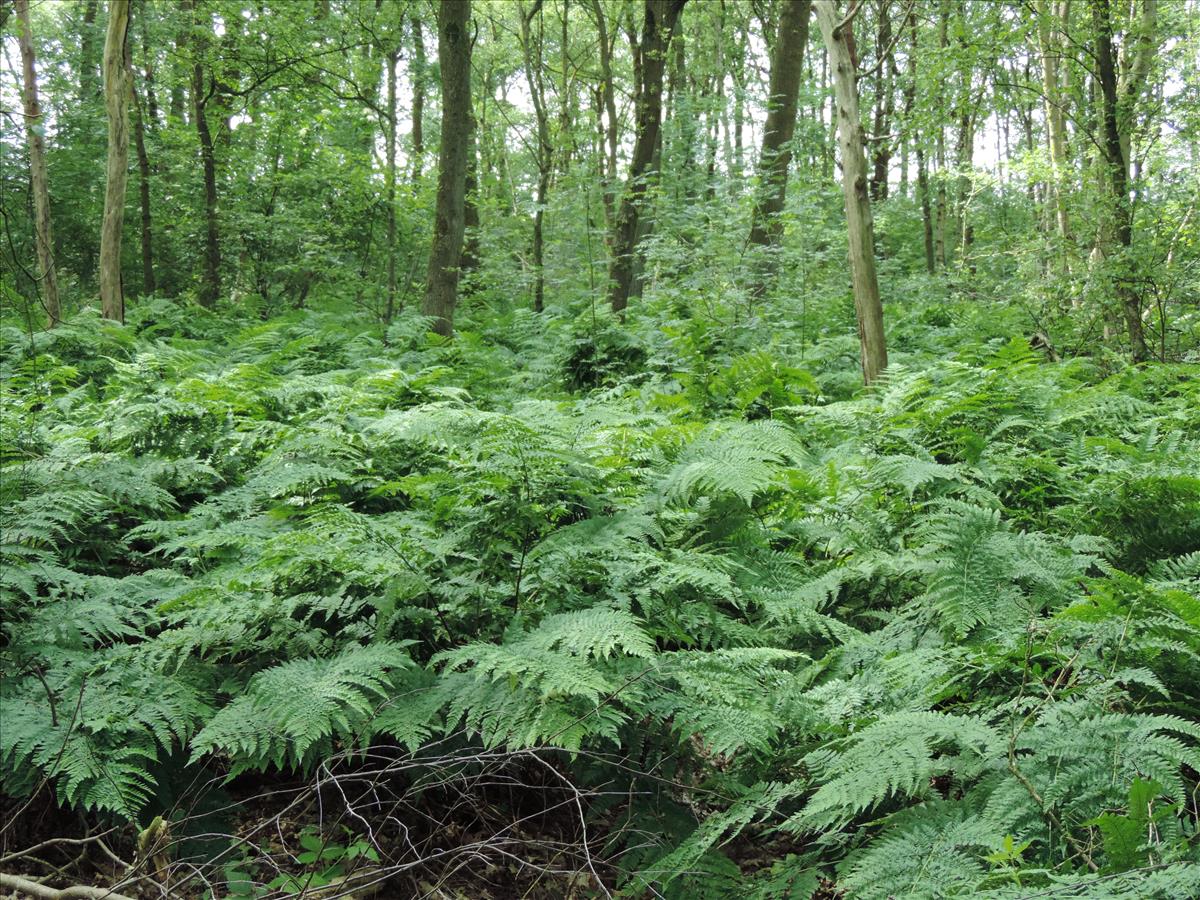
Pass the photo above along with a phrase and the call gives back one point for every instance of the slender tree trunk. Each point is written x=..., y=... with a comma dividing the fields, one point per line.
x=922, y=168
x=965, y=160
x=939, y=235
x=390, y=186
x=210, y=286
x=885, y=106
x=660, y=18
x=787, y=63
x=149, y=284
x=1116, y=164
x=839, y=39
x=116, y=101
x=89, y=64
x=926, y=211
x=417, y=74
x=454, y=60
x=737, y=71
x=470, y=254
x=177, y=102
x=34, y=130
x=531, y=51
x=148, y=69
x=608, y=95
x=1052, y=20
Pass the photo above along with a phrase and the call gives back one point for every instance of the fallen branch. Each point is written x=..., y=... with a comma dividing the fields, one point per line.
x=45, y=892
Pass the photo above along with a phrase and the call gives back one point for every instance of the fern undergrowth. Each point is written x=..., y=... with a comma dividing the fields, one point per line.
x=937, y=639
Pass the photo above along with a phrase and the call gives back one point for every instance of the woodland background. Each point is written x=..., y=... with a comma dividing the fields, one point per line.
x=600, y=448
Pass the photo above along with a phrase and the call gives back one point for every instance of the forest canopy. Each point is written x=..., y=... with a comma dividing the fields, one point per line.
x=599, y=448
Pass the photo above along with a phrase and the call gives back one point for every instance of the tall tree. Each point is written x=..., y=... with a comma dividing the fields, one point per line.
x=885, y=102
x=787, y=63
x=116, y=102
x=1052, y=22
x=89, y=64
x=454, y=60
x=659, y=22
x=210, y=286
x=34, y=134
x=837, y=29
x=1119, y=92
x=923, y=195
x=941, y=206
x=417, y=76
x=390, y=117
x=608, y=100
x=149, y=282
x=532, y=46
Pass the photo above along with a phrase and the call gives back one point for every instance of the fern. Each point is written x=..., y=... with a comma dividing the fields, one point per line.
x=895, y=756
x=291, y=712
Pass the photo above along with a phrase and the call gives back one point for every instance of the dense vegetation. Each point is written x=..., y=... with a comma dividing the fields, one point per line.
x=518, y=524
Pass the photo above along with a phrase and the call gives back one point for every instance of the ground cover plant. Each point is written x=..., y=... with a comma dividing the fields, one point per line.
x=643, y=572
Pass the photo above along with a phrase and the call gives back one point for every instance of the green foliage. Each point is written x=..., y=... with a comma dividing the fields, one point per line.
x=898, y=636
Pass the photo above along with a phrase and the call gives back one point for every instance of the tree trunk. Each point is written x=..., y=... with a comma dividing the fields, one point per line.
x=390, y=186
x=149, y=284
x=417, y=73
x=89, y=74
x=660, y=18
x=454, y=59
x=608, y=97
x=910, y=93
x=1052, y=21
x=1116, y=163
x=885, y=105
x=839, y=39
x=34, y=133
x=210, y=287
x=116, y=101
x=148, y=69
x=964, y=157
x=531, y=52
x=926, y=211
x=939, y=232
x=470, y=254
x=787, y=63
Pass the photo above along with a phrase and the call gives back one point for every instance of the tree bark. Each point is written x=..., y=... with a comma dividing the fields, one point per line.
x=39, y=182
x=660, y=18
x=89, y=65
x=116, y=102
x=885, y=105
x=926, y=211
x=210, y=286
x=470, y=254
x=1052, y=20
x=390, y=186
x=1115, y=147
x=148, y=69
x=531, y=52
x=839, y=39
x=608, y=96
x=149, y=284
x=454, y=59
x=941, y=208
x=417, y=73
x=910, y=92
x=787, y=63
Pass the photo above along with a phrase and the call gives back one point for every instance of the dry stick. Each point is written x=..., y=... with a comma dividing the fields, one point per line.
x=45, y=892
x=53, y=842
